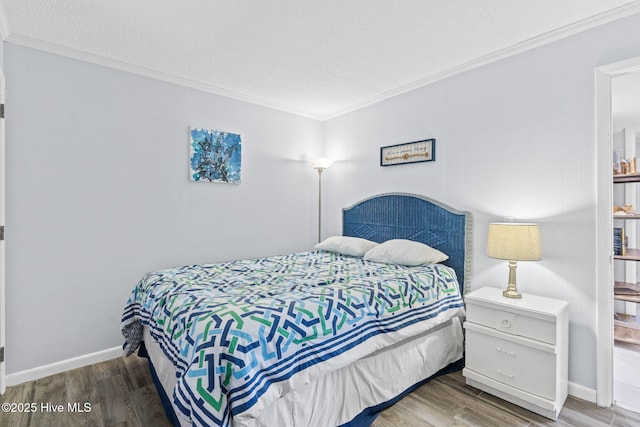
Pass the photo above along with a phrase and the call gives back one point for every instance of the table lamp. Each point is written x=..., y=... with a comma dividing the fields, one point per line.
x=514, y=242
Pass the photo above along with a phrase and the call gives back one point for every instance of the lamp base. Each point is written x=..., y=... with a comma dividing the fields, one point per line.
x=512, y=288
x=511, y=293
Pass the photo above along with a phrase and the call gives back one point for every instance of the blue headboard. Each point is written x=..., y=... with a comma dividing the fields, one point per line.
x=409, y=216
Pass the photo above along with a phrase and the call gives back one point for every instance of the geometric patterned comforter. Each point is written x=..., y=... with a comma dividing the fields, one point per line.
x=243, y=333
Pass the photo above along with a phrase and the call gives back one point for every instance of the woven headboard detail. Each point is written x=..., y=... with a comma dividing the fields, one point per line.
x=413, y=217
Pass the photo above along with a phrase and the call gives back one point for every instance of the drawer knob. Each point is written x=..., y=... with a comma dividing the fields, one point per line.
x=502, y=350
x=505, y=374
x=506, y=323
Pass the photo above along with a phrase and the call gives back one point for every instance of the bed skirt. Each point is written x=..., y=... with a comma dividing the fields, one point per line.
x=373, y=383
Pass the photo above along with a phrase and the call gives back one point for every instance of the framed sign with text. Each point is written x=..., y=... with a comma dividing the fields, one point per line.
x=410, y=152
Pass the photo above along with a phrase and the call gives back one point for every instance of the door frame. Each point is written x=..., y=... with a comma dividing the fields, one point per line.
x=3, y=383
x=604, y=225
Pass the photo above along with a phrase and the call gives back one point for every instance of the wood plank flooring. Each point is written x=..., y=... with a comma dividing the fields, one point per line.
x=120, y=393
x=448, y=401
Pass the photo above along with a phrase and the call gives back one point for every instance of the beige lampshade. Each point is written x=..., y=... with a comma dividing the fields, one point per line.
x=514, y=241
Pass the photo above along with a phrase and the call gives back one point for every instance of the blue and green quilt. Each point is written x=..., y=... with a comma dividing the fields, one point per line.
x=247, y=330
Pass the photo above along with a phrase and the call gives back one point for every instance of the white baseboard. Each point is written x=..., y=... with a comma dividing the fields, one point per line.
x=628, y=407
x=582, y=392
x=62, y=366
x=626, y=396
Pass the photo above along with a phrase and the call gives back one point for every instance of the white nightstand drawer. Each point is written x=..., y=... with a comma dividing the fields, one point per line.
x=512, y=323
x=517, y=349
x=530, y=368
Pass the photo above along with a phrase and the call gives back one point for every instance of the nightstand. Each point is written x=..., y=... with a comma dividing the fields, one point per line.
x=517, y=349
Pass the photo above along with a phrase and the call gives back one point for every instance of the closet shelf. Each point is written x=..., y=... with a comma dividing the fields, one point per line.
x=629, y=292
x=627, y=216
x=626, y=328
x=631, y=177
x=630, y=255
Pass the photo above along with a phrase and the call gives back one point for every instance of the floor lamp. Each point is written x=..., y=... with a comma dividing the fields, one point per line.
x=320, y=164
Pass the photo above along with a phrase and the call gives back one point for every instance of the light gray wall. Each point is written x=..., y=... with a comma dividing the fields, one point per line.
x=98, y=194
x=97, y=190
x=514, y=139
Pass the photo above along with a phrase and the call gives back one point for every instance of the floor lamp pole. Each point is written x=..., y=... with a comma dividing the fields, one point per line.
x=320, y=164
x=320, y=170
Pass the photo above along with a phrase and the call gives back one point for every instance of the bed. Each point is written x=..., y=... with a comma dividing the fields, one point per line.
x=327, y=337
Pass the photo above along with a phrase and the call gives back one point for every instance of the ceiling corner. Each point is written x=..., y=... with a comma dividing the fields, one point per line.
x=4, y=25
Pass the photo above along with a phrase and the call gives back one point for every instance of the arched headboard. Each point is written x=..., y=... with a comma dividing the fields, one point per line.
x=413, y=217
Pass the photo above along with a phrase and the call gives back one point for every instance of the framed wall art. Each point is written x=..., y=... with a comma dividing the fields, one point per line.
x=410, y=152
x=215, y=156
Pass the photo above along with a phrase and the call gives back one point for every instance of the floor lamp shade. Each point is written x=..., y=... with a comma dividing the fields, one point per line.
x=320, y=162
x=514, y=242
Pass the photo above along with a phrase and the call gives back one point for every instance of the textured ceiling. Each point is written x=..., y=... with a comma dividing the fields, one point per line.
x=314, y=58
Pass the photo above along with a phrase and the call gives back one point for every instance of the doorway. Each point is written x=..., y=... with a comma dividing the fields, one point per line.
x=2, y=244
x=625, y=112
x=608, y=142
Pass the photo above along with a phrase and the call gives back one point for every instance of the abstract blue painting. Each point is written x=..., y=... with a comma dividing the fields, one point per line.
x=215, y=156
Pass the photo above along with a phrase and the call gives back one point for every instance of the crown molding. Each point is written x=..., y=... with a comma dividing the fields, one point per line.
x=154, y=74
x=541, y=40
x=588, y=23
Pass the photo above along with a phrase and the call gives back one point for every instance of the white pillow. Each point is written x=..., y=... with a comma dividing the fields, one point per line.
x=345, y=245
x=405, y=252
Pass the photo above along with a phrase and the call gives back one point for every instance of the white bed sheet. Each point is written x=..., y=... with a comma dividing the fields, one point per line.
x=338, y=397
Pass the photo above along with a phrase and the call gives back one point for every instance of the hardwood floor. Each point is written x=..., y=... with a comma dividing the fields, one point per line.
x=448, y=401
x=120, y=393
